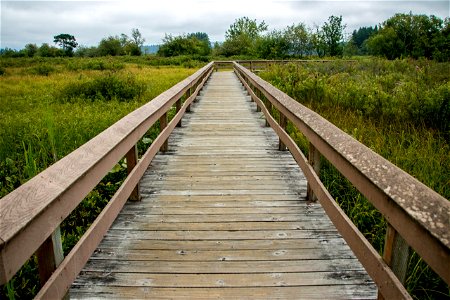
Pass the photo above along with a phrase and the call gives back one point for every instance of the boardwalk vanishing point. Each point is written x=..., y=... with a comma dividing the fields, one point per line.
x=223, y=215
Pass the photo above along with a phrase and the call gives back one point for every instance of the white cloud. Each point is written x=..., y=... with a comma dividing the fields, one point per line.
x=37, y=22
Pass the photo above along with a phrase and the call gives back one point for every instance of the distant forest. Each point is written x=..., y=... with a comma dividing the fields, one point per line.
x=401, y=36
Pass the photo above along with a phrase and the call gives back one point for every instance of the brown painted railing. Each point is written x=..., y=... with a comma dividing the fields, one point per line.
x=416, y=215
x=30, y=215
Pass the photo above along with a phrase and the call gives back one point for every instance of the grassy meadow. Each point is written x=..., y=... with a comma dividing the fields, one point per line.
x=49, y=107
x=401, y=110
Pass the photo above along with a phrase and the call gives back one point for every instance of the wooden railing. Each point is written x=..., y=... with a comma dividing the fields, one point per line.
x=30, y=215
x=416, y=215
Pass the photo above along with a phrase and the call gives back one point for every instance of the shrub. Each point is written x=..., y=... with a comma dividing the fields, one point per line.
x=95, y=64
x=106, y=87
x=43, y=69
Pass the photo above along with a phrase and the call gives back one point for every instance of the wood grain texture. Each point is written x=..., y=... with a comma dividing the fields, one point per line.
x=223, y=215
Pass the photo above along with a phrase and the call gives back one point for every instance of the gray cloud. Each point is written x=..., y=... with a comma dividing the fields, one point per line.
x=37, y=22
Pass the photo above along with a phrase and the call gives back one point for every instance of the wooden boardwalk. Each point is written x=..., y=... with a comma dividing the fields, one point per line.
x=223, y=215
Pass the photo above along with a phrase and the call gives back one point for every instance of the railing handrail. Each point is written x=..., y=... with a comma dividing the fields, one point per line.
x=419, y=214
x=30, y=214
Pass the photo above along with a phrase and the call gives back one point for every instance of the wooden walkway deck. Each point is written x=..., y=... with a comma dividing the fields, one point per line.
x=223, y=215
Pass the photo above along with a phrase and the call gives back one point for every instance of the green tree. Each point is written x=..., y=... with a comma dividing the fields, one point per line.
x=273, y=45
x=332, y=34
x=49, y=51
x=299, y=40
x=408, y=35
x=183, y=45
x=111, y=45
x=67, y=42
x=204, y=47
x=136, y=42
x=318, y=42
x=241, y=37
x=31, y=50
x=362, y=34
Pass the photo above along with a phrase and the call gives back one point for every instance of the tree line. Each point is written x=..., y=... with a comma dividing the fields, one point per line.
x=402, y=35
x=112, y=45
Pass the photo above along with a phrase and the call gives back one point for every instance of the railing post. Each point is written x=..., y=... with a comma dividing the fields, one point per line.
x=396, y=254
x=283, y=124
x=314, y=161
x=188, y=94
x=256, y=91
x=132, y=160
x=177, y=109
x=49, y=255
x=162, y=125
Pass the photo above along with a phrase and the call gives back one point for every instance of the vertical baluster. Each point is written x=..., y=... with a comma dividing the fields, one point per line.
x=132, y=160
x=188, y=94
x=314, y=161
x=283, y=124
x=162, y=125
x=396, y=254
x=177, y=109
x=49, y=255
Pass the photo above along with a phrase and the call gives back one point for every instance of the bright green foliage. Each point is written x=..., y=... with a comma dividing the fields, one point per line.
x=240, y=38
x=299, y=40
x=399, y=109
x=49, y=51
x=332, y=33
x=105, y=87
x=31, y=50
x=272, y=45
x=192, y=44
x=110, y=46
x=360, y=36
x=408, y=35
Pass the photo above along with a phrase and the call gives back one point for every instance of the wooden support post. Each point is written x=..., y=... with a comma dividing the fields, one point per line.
x=188, y=94
x=269, y=109
x=258, y=108
x=396, y=254
x=132, y=160
x=283, y=124
x=267, y=104
x=162, y=125
x=177, y=108
x=49, y=255
x=314, y=161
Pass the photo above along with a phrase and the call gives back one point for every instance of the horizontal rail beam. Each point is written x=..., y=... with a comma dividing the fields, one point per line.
x=31, y=213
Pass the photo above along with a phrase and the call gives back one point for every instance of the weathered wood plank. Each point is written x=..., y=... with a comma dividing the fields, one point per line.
x=226, y=280
x=299, y=292
x=125, y=224
x=222, y=267
x=332, y=241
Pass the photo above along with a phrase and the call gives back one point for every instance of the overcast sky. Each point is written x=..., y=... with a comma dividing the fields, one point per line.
x=37, y=22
